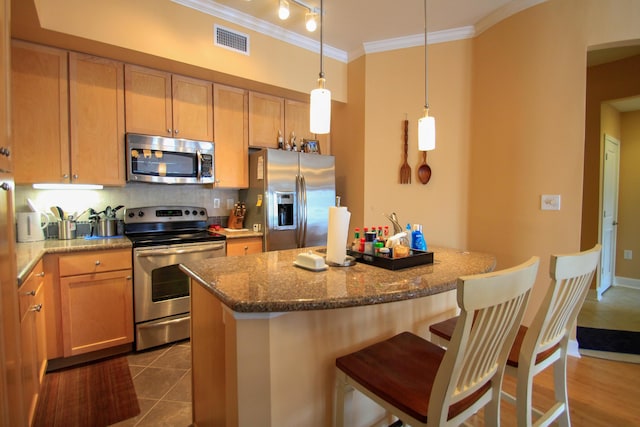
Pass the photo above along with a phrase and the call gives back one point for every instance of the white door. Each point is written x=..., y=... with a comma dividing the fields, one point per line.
x=609, y=214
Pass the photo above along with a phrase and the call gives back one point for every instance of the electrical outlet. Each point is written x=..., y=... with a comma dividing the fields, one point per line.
x=216, y=203
x=550, y=202
x=628, y=254
x=229, y=203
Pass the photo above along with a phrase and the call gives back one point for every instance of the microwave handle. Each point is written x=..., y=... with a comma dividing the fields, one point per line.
x=199, y=167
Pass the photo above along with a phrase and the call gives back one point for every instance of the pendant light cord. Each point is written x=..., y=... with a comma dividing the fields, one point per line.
x=426, y=80
x=321, y=30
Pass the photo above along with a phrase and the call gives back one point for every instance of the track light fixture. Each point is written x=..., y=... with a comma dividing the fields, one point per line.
x=283, y=10
x=310, y=18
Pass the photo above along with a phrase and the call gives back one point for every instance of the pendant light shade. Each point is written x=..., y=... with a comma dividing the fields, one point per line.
x=320, y=110
x=426, y=124
x=426, y=133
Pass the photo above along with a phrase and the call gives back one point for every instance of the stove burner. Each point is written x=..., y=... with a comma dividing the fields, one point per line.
x=167, y=225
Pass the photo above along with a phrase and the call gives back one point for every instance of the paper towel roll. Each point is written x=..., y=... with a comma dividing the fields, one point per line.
x=337, y=234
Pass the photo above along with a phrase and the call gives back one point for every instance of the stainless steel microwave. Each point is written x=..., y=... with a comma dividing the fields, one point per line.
x=163, y=160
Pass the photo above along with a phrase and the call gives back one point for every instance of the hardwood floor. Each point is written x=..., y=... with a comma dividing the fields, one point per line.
x=602, y=393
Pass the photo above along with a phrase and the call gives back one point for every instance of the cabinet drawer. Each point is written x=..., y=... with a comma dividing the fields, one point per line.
x=244, y=246
x=95, y=262
x=30, y=287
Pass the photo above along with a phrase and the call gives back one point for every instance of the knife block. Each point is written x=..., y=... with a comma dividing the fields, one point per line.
x=235, y=221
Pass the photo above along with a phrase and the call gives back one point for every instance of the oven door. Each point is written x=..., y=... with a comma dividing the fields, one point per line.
x=161, y=289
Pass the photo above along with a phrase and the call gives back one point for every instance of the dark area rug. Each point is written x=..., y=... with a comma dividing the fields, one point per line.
x=608, y=340
x=96, y=394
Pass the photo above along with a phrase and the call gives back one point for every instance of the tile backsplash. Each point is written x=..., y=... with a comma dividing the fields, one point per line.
x=132, y=195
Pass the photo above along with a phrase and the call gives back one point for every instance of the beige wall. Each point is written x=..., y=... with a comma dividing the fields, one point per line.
x=629, y=197
x=528, y=127
x=395, y=91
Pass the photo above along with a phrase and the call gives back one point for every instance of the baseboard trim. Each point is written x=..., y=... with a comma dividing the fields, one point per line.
x=627, y=282
x=572, y=349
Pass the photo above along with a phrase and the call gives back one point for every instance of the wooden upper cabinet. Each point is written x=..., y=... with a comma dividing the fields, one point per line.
x=230, y=123
x=192, y=108
x=148, y=101
x=39, y=96
x=266, y=118
x=159, y=103
x=96, y=111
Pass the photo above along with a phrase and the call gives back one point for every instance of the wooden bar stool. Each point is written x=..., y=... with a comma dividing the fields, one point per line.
x=545, y=342
x=421, y=383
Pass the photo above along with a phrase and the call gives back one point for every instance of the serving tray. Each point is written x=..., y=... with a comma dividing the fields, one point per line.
x=414, y=258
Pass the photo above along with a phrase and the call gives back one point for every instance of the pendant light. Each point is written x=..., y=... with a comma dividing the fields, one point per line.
x=320, y=110
x=426, y=124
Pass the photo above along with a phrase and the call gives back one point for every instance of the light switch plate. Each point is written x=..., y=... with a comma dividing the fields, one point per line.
x=216, y=203
x=550, y=202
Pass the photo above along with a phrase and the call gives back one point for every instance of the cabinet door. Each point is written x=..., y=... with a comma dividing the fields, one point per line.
x=147, y=101
x=97, y=311
x=33, y=340
x=244, y=246
x=39, y=96
x=230, y=124
x=296, y=119
x=5, y=82
x=96, y=104
x=192, y=108
x=266, y=119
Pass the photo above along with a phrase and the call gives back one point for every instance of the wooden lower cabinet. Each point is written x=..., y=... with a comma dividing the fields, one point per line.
x=244, y=246
x=33, y=338
x=96, y=300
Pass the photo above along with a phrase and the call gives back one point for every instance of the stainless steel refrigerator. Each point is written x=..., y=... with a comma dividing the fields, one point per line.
x=289, y=195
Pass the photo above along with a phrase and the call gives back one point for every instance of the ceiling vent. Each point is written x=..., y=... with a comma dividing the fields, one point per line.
x=233, y=40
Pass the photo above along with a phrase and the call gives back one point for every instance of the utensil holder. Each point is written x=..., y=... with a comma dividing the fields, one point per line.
x=66, y=229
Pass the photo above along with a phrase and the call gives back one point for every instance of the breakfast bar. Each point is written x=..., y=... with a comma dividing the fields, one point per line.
x=265, y=333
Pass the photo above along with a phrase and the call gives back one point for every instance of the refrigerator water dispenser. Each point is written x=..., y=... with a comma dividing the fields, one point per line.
x=285, y=210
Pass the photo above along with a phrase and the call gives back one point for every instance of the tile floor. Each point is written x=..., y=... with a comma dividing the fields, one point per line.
x=162, y=378
x=618, y=309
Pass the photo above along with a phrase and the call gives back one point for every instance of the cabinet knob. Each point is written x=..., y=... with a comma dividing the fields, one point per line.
x=169, y=131
x=129, y=277
x=5, y=151
x=246, y=249
x=36, y=308
x=41, y=274
x=98, y=262
x=75, y=176
x=31, y=292
x=65, y=176
x=176, y=131
x=5, y=186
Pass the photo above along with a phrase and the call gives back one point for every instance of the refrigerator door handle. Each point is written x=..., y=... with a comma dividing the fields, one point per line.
x=299, y=212
x=303, y=183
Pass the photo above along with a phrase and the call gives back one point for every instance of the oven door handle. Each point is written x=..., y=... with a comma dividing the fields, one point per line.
x=161, y=252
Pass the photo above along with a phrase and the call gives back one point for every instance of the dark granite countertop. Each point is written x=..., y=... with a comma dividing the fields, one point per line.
x=28, y=254
x=269, y=282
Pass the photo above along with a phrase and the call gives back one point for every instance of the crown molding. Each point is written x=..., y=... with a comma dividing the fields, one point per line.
x=261, y=26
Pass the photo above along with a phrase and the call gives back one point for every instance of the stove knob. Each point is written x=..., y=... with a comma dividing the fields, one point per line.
x=186, y=211
x=131, y=214
x=202, y=213
x=141, y=214
x=195, y=212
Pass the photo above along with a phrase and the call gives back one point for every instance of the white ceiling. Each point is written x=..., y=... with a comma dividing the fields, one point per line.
x=352, y=26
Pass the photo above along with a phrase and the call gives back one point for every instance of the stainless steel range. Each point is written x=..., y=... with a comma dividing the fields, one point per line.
x=164, y=237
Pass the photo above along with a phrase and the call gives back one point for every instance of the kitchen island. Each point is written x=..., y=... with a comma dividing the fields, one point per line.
x=265, y=333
